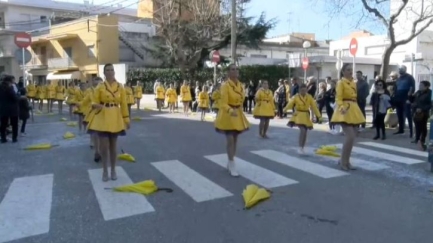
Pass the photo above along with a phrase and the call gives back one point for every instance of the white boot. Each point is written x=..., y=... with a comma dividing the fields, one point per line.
x=231, y=167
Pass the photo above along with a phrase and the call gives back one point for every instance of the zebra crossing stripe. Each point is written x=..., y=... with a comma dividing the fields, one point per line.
x=360, y=163
x=252, y=172
x=198, y=187
x=26, y=208
x=115, y=205
x=396, y=149
x=384, y=156
x=300, y=164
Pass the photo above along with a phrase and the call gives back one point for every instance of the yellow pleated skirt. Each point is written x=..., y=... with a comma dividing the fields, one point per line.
x=301, y=119
x=130, y=100
x=353, y=116
x=107, y=121
x=228, y=124
x=264, y=110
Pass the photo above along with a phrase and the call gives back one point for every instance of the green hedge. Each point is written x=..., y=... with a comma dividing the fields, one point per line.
x=246, y=73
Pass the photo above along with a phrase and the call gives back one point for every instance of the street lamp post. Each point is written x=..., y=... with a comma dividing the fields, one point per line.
x=306, y=45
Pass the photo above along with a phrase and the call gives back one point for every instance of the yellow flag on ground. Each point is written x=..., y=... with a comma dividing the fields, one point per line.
x=252, y=195
x=68, y=135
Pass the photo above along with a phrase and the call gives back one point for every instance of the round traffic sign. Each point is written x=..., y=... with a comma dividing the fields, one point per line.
x=23, y=40
x=353, y=47
x=305, y=62
x=216, y=58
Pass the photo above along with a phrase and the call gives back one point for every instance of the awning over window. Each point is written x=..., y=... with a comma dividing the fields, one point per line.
x=61, y=76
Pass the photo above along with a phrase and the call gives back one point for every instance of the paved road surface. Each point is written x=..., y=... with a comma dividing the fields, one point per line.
x=57, y=195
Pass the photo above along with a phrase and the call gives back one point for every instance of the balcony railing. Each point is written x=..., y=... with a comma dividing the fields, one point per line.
x=56, y=63
x=38, y=61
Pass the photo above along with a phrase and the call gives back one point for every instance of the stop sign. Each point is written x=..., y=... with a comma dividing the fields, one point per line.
x=23, y=40
x=305, y=63
x=353, y=47
x=216, y=56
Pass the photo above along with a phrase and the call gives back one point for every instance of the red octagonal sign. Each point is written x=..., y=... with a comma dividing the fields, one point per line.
x=305, y=63
x=353, y=48
x=216, y=58
x=23, y=40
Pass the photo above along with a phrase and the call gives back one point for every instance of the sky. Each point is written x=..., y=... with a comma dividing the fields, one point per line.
x=308, y=16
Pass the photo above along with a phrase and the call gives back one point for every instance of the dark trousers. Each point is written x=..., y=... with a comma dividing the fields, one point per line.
x=320, y=106
x=4, y=122
x=23, y=125
x=421, y=128
x=379, y=124
x=404, y=112
x=251, y=103
x=245, y=104
x=374, y=115
x=362, y=108
x=329, y=113
x=280, y=109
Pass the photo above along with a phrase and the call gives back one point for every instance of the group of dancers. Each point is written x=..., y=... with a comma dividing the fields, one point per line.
x=105, y=111
x=231, y=120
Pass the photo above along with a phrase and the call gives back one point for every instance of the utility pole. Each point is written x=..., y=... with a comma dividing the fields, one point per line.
x=233, y=31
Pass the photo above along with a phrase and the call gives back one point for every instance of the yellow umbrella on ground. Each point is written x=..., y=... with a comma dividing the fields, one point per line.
x=147, y=109
x=68, y=135
x=40, y=146
x=126, y=157
x=252, y=195
x=145, y=188
x=136, y=118
x=63, y=119
x=328, y=151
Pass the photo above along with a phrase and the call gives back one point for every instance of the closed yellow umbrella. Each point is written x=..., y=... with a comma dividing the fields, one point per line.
x=71, y=124
x=40, y=146
x=126, y=157
x=252, y=195
x=328, y=151
x=68, y=135
x=145, y=188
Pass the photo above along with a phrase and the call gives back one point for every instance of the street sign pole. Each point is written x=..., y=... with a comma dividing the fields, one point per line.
x=24, y=69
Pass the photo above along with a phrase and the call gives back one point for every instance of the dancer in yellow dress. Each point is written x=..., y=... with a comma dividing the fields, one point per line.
x=70, y=100
x=31, y=92
x=347, y=113
x=42, y=95
x=78, y=98
x=302, y=102
x=51, y=95
x=60, y=96
x=138, y=93
x=129, y=96
x=231, y=120
x=185, y=96
x=203, y=102
x=216, y=96
x=160, y=95
x=110, y=120
x=264, y=108
x=171, y=98
x=89, y=113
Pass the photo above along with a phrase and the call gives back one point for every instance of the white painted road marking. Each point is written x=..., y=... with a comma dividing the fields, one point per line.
x=252, y=172
x=198, y=187
x=366, y=165
x=26, y=208
x=385, y=156
x=115, y=205
x=300, y=164
x=396, y=149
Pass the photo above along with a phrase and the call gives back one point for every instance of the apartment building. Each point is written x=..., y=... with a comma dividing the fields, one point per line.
x=36, y=17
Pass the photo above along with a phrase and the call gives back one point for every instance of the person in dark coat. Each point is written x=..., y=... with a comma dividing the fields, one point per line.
x=421, y=105
x=8, y=108
x=24, y=112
